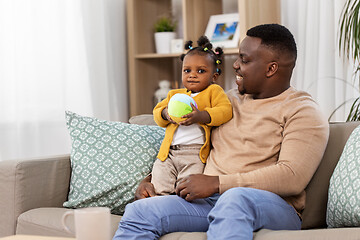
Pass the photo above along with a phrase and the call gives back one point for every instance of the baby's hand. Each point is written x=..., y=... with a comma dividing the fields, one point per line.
x=196, y=116
x=165, y=115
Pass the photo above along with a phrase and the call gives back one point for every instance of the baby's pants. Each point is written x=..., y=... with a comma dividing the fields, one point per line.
x=182, y=161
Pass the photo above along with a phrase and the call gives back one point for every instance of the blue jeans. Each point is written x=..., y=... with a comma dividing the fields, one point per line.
x=233, y=215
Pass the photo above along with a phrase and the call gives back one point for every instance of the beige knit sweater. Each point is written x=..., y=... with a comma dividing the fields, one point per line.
x=274, y=144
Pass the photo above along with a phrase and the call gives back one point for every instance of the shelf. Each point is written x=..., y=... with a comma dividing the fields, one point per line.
x=155, y=55
x=146, y=68
x=231, y=51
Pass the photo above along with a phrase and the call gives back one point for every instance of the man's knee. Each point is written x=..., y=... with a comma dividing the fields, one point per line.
x=234, y=195
x=249, y=194
x=139, y=221
x=139, y=208
x=242, y=199
x=150, y=209
x=131, y=209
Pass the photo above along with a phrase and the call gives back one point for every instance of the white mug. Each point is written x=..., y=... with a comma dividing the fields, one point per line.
x=90, y=223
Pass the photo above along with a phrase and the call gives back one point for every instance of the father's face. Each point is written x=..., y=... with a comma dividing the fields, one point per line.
x=251, y=66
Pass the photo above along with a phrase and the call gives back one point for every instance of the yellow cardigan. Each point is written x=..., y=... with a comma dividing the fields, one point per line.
x=213, y=100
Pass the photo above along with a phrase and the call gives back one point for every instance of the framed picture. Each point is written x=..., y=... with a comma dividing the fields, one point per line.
x=223, y=30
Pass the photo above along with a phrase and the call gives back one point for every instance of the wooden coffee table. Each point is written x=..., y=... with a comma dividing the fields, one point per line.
x=33, y=237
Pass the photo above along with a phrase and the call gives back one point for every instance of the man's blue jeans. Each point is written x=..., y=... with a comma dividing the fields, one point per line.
x=233, y=215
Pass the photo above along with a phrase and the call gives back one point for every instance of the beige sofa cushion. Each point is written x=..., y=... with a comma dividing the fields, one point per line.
x=314, y=215
x=265, y=234
x=47, y=222
x=318, y=234
x=31, y=183
x=144, y=119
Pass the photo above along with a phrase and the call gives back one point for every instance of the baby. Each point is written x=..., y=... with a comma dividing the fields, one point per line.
x=186, y=145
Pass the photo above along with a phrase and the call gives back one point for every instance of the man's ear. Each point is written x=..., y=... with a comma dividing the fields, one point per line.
x=215, y=77
x=272, y=69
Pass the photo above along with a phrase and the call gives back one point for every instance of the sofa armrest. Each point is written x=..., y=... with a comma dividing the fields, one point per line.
x=29, y=184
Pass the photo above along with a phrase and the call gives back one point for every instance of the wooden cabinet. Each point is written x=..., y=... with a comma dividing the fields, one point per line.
x=146, y=68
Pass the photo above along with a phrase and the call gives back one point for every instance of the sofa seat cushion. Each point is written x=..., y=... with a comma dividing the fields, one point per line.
x=314, y=234
x=265, y=234
x=47, y=222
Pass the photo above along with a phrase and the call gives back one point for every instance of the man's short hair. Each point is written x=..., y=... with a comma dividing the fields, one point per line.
x=276, y=37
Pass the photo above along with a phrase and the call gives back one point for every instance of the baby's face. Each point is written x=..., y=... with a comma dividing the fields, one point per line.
x=198, y=72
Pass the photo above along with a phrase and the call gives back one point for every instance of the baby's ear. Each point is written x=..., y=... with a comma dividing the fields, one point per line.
x=215, y=77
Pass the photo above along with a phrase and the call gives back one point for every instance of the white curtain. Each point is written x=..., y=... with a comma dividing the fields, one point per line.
x=320, y=69
x=58, y=55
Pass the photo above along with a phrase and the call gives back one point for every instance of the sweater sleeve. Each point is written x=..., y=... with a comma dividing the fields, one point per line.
x=220, y=110
x=305, y=137
x=159, y=108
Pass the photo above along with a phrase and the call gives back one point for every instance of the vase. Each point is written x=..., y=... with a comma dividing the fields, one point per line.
x=163, y=41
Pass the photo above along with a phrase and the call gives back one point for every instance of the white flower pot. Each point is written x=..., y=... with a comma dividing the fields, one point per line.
x=163, y=41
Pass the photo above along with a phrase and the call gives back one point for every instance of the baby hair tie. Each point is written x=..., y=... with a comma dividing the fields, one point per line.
x=190, y=47
x=205, y=49
x=218, y=61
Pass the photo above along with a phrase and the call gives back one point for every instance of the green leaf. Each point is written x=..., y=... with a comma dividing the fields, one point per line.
x=349, y=44
x=349, y=37
x=165, y=24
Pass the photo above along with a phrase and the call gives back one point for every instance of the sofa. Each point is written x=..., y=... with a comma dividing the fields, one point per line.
x=32, y=192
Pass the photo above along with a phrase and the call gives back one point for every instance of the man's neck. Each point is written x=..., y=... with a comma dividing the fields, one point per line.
x=271, y=93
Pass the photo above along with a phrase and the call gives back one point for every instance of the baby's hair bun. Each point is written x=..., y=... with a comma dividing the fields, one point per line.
x=204, y=42
x=188, y=45
x=219, y=52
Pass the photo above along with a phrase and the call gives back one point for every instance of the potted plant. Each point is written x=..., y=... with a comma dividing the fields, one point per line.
x=349, y=43
x=164, y=33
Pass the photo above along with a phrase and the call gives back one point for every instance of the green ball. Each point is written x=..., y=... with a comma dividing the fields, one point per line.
x=179, y=105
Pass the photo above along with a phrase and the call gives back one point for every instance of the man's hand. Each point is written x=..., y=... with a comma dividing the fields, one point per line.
x=196, y=116
x=145, y=189
x=197, y=186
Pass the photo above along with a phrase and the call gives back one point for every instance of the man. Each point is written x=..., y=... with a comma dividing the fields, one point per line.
x=261, y=160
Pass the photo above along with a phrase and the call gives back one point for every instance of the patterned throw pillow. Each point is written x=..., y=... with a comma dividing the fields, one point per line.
x=343, y=208
x=108, y=160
